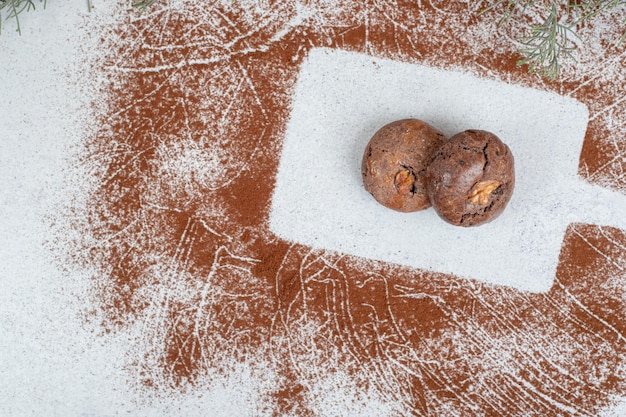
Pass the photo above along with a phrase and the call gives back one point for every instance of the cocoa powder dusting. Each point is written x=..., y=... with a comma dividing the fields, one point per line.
x=186, y=159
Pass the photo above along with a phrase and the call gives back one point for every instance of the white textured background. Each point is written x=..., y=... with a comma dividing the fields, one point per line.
x=51, y=362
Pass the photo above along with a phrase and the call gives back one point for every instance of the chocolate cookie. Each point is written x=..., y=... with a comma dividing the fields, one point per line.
x=394, y=164
x=471, y=178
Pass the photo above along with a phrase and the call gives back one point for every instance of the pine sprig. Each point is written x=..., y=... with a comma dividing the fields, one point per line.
x=14, y=8
x=142, y=4
x=590, y=9
x=547, y=44
x=551, y=40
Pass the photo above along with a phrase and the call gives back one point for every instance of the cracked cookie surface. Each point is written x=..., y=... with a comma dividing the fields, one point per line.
x=471, y=178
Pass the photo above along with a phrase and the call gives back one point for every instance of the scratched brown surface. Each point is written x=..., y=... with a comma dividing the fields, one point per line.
x=185, y=161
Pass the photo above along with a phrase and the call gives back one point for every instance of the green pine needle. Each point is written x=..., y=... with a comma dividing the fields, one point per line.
x=14, y=8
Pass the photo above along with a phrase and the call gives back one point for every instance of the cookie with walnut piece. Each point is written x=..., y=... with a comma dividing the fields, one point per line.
x=471, y=178
x=395, y=161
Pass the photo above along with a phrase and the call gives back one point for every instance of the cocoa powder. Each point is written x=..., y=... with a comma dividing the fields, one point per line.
x=198, y=101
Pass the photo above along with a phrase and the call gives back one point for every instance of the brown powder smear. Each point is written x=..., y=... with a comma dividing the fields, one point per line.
x=186, y=159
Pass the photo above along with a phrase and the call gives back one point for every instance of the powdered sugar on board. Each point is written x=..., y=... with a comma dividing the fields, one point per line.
x=185, y=269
